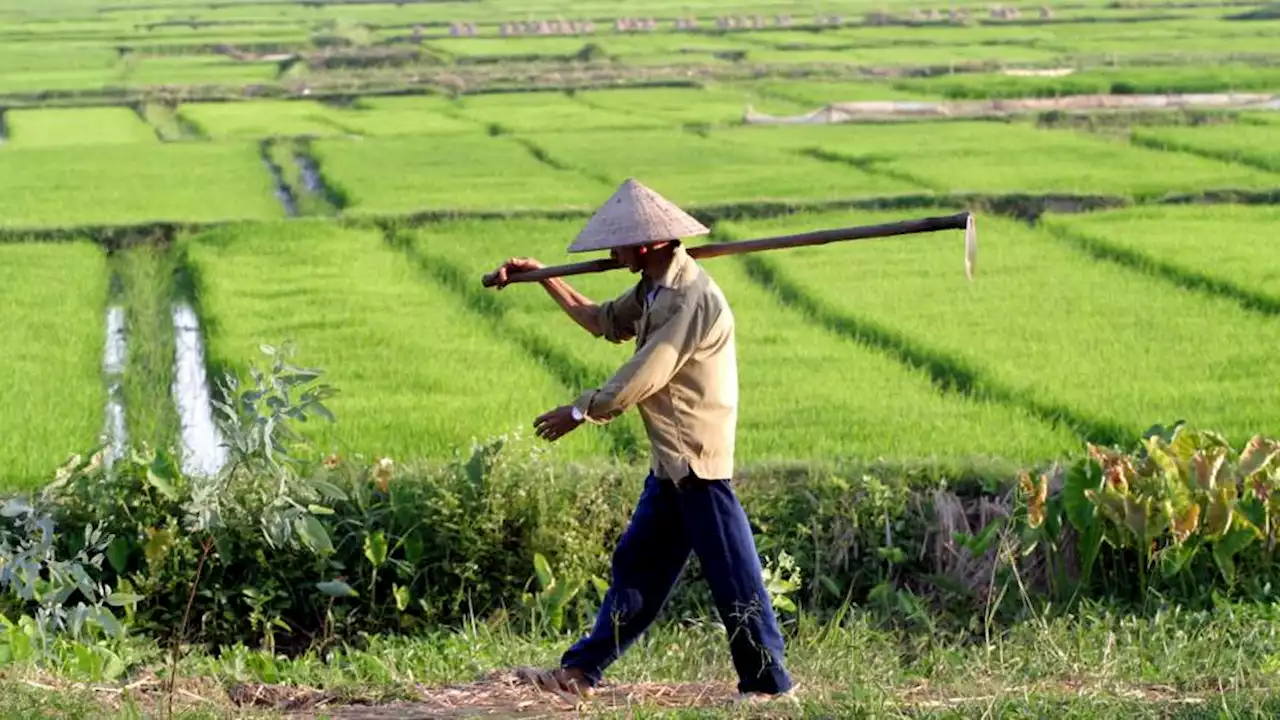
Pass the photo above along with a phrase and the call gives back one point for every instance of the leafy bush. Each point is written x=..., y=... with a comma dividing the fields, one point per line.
x=1183, y=517
x=293, y=550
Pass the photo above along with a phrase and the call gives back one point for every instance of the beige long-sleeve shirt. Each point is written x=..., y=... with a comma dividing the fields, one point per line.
x=683, y=375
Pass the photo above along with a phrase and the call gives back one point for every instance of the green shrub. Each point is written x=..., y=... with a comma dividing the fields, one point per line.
x=1183, y=517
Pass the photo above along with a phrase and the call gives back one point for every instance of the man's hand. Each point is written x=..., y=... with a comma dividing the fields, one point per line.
x=555, y=424
x=514, y=265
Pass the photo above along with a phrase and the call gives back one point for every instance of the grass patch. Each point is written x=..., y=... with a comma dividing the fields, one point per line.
x=547, y=112
x=133, y=184
x=419, y=376
x=1253, y=145
x=1046, y=324
x=57, y=127
x=688, y=106
x=690, y=169
x=1215, y=249
x=805, y=392
x=263, y=119
x=51, y=352
x=469, y=173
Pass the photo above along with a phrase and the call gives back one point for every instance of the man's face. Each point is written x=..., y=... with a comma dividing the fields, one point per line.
x=628, y=257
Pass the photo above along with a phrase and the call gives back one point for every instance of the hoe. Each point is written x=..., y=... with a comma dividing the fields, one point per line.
x=959, y=221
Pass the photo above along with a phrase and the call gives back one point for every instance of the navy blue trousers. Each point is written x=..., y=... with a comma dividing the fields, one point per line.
x=669, y=522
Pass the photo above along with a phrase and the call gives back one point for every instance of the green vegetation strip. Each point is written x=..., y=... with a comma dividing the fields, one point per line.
x=76, y=126
x=1208, y=249
x=263, y=119
x=419, y=376
x=51, y=352
x=997, y=157
x=534, y=112
x=462, y=173
x=1042, y=326
x=1125, y=80
x=146, y=277
x=805, y=391
x=135, y=184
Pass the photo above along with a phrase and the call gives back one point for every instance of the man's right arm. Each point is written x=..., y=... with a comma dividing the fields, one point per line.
x=614, y=319
x=576, y=305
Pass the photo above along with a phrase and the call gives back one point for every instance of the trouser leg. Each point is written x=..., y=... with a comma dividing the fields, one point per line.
x=719, y=533
x=647, y=562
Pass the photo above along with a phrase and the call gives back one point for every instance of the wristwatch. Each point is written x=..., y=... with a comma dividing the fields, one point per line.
x=577, y=414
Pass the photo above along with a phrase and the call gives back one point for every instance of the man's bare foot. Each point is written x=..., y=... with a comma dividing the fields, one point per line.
x=569, y=683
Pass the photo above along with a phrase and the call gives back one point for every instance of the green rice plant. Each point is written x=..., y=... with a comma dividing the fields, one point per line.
x=418, y=375
x=1118, y=81
x=1214, y=248
x=134, y=184
x=691, y=169
x=465, y=173
x=1254, y=145
x=805, y=391
x=56, y=127
x=53, y=297
x=1045, y=325
x=1000, y=157
x=264, y=118
x=547, y=112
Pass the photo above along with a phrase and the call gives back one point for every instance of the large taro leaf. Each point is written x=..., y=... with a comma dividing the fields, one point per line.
x=1222, y=505
x=1165, y=459
x=1208, y=466
x=1226, y=549
x=1257, y=454
x=1081, y=480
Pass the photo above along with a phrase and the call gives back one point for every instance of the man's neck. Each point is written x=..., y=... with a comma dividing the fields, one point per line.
x=656, y=263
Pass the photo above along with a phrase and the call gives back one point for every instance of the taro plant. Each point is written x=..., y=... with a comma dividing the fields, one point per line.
x=1184, y=512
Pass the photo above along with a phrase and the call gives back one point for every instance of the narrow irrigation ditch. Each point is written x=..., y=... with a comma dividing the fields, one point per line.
x=113, y=367
x=154, y=364
x=203, y=453
x=283, y=192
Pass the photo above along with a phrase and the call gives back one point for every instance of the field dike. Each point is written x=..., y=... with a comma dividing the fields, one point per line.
x=563, y=367
x=947, y=374
x=1180, y=277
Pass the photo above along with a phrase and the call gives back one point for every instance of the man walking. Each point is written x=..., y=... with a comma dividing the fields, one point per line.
x=683, y=378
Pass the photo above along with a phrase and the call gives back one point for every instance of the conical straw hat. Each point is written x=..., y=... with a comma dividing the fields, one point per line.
x=636, y=215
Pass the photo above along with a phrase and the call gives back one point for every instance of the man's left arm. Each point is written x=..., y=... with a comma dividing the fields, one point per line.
x=651, y=368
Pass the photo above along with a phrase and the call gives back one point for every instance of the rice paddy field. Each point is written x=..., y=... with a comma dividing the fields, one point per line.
x=350, y=142
x=340, y=175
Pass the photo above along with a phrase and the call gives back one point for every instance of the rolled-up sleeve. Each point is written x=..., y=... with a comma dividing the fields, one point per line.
x=651, y=368
x=617, y=318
